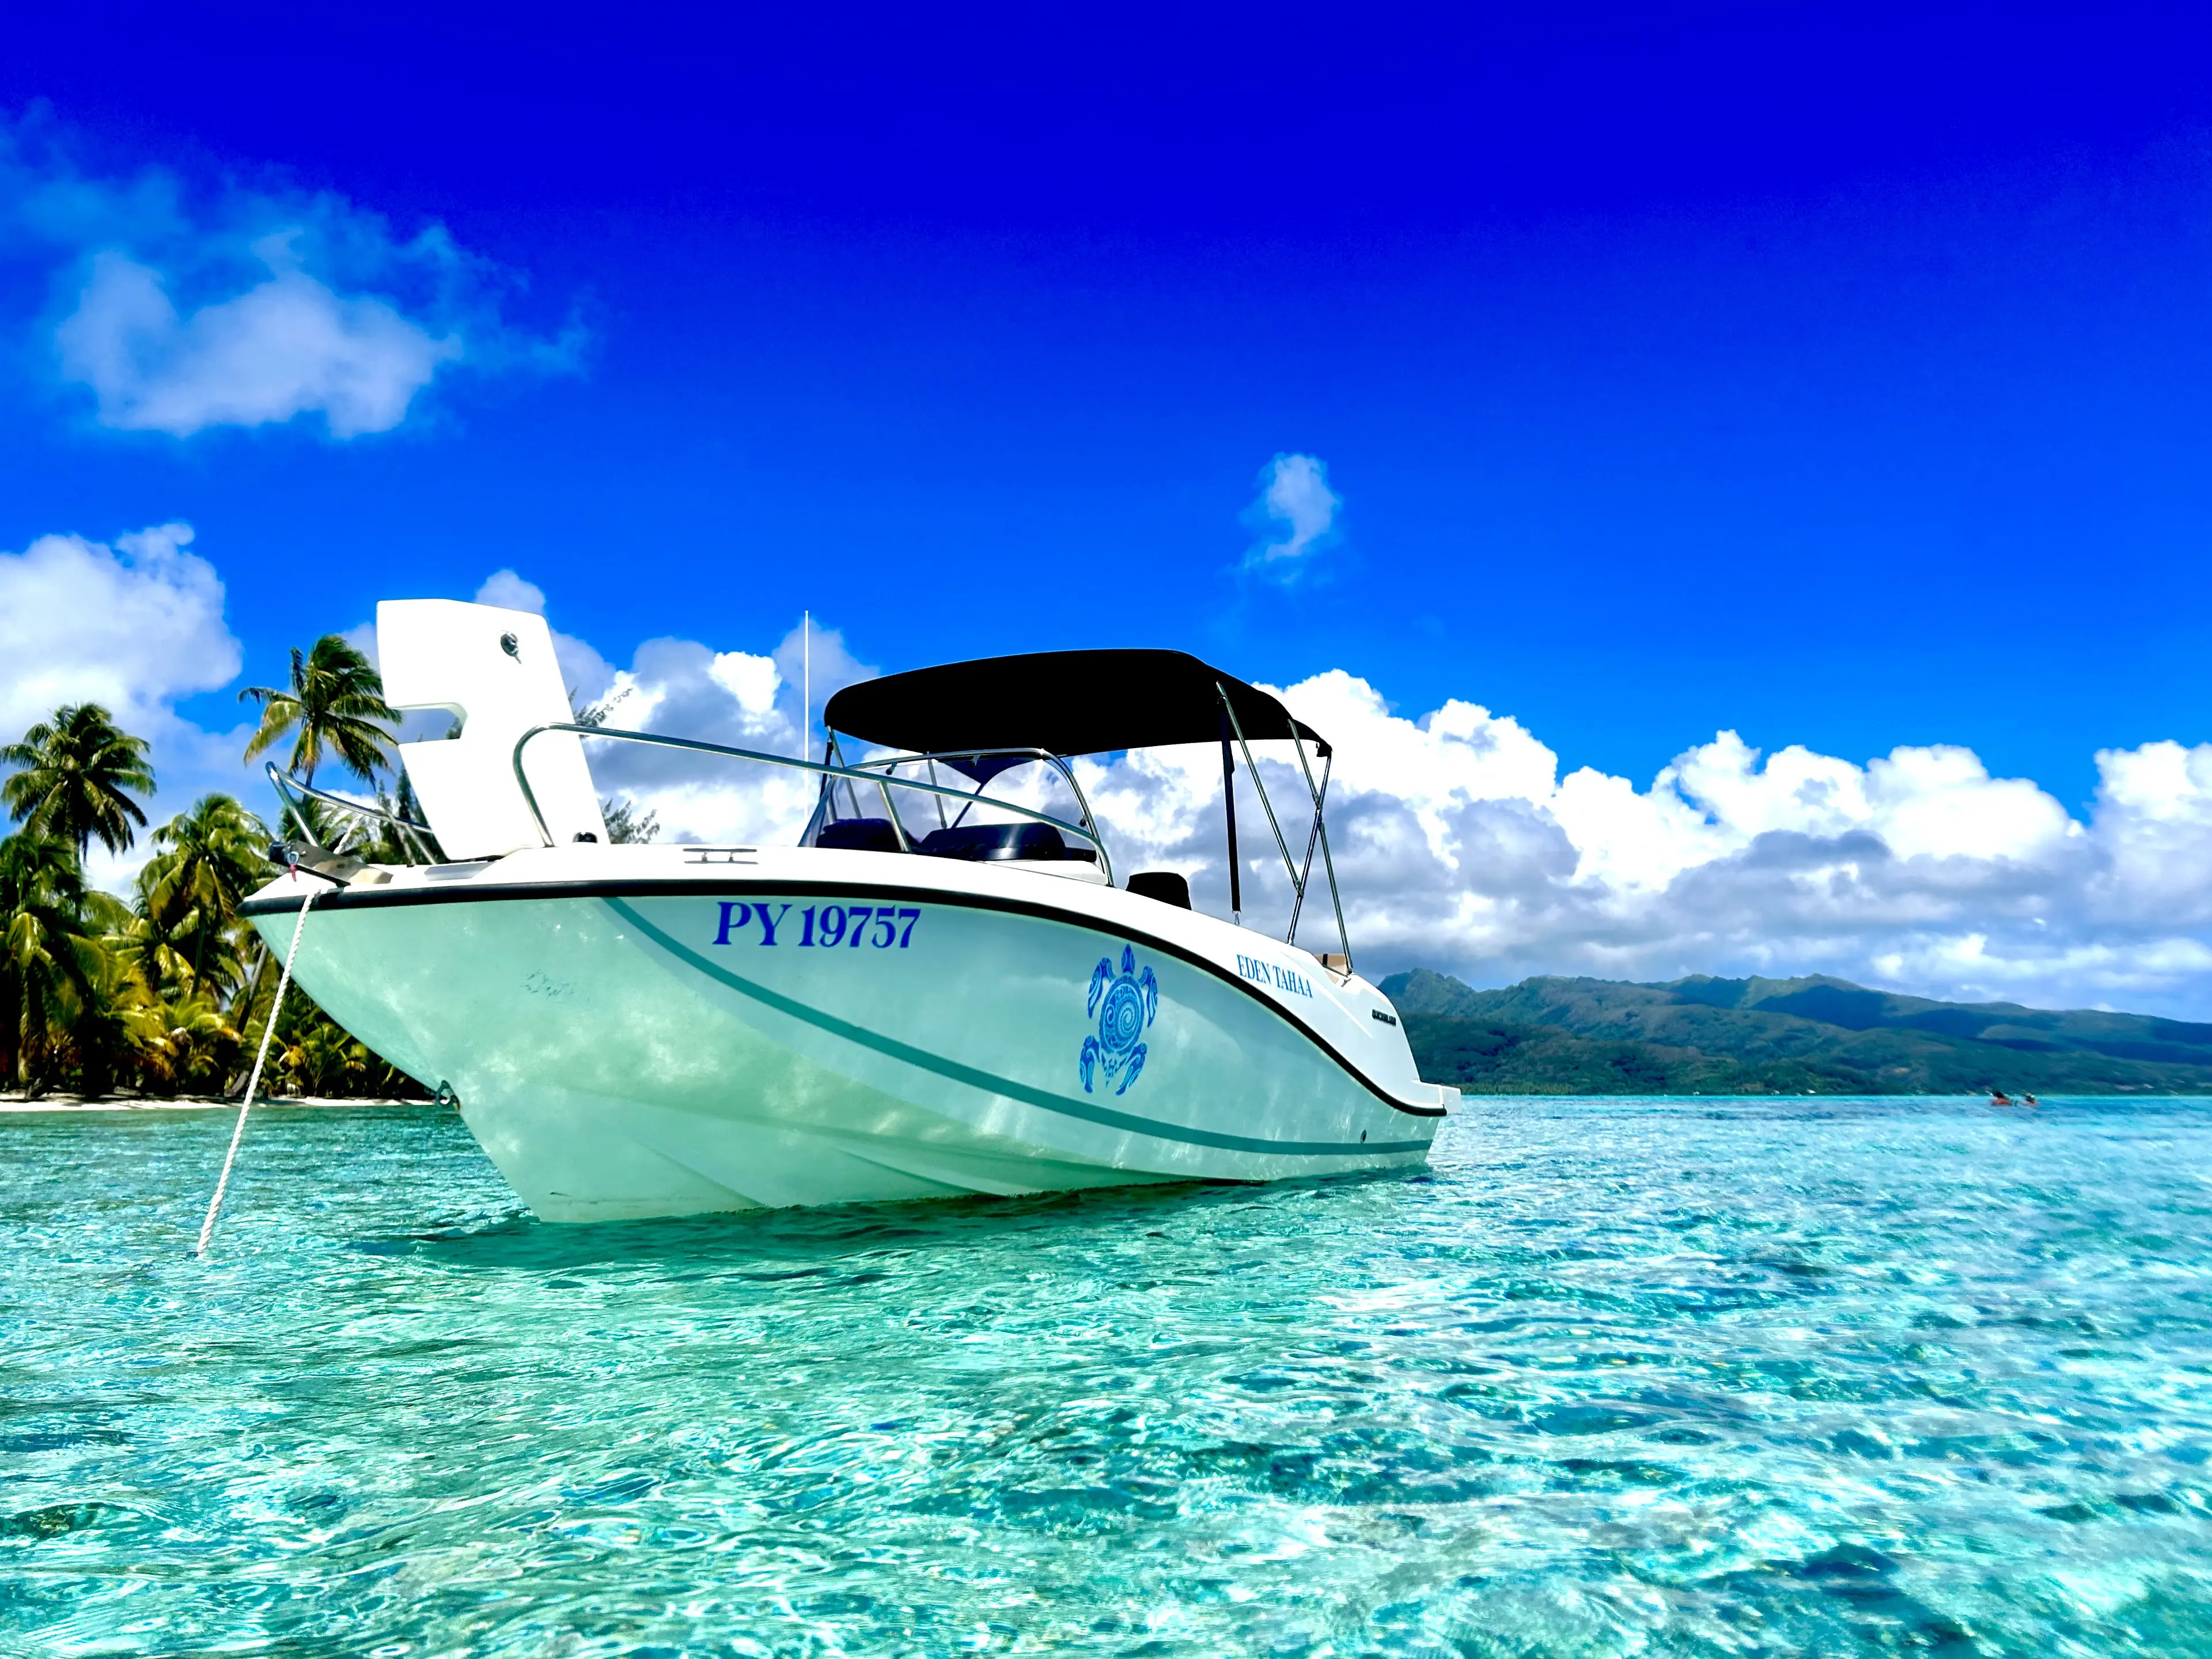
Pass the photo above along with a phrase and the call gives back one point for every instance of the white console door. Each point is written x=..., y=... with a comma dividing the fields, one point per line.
x=495, y=669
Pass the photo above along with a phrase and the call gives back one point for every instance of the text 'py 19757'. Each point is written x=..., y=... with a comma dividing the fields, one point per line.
x=769, y=922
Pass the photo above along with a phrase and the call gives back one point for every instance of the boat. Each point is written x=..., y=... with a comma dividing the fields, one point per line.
x=944, y=989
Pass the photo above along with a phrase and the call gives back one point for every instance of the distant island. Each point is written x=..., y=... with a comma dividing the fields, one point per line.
x=1779, y=1036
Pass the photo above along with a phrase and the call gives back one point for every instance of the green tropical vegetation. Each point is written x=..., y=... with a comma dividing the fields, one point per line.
x=166, y=992
x=332, y=707
x=1815, y=1035
x=74, y=777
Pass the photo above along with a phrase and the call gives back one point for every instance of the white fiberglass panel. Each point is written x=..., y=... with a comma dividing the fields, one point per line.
x=495, y=668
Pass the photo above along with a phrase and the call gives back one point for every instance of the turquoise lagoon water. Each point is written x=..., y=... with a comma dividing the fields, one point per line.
x=1615, y=1377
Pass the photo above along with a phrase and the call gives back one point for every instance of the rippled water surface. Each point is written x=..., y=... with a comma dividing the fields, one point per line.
x=1615, y=1377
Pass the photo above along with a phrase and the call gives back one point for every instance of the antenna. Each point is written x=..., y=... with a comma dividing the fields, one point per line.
x=805, y=685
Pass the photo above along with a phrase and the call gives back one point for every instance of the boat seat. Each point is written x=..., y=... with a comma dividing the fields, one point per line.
x=860, y=836
x=980, y=842
x=1165, y=885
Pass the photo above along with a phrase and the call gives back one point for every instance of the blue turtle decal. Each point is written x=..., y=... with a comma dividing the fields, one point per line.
x=1125, y=1003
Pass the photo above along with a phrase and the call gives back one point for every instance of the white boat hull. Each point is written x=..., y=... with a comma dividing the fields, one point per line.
x=677, y=1045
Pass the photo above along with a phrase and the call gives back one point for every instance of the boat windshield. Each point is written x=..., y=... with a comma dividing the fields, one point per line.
x=1002, y=806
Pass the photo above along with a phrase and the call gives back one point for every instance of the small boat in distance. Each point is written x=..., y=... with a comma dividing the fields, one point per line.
x=942, y=990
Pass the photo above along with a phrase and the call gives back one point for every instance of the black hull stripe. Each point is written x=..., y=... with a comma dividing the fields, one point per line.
x=1065, y=1105
x=372, y=899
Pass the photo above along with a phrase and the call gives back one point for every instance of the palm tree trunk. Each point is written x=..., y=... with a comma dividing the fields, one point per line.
x=252, y=990
x=30, y=1073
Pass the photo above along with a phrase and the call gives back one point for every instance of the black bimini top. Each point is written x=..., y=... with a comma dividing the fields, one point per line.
x=1065, y=703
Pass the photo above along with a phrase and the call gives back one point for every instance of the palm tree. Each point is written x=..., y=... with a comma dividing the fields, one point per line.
x=187, y=1042
x=331, y=709
x=47, y=958
x=319, y=1058
x=626, y=821
x=210, y=858
x=161, y=958
x=107, y=1041
x=186, y=951
x=381, y=842
x=326, y=826
x=73, y=775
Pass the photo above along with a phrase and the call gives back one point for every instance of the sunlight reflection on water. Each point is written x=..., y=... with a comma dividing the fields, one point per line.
x=1679, y=1376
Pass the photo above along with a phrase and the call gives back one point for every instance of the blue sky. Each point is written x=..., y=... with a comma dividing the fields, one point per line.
x=1839, y=379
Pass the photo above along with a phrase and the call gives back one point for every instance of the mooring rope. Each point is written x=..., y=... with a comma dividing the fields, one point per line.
x=238, y=1134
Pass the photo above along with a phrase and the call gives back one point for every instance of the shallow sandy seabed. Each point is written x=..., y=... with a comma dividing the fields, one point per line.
x=1613, y=1379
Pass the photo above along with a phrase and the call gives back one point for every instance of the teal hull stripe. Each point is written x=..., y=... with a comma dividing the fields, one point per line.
x=1087, y=1110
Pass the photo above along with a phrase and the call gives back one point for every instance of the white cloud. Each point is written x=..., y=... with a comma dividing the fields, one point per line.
x=184, y=310
x=1460, y=844
x=812, y=660
x=1461, y=847
x=1916, y=869
x=510, y=592
x=135, y=627
x=287, y=346
x=1294, y=515
x=753, y=681
x=740, y=698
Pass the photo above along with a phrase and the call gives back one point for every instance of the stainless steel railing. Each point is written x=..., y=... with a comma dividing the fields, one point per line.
x=411, y=833
x=876, y=773
x=859, y=774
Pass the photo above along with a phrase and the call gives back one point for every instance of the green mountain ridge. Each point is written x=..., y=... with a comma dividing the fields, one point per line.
x=1814, y=1035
